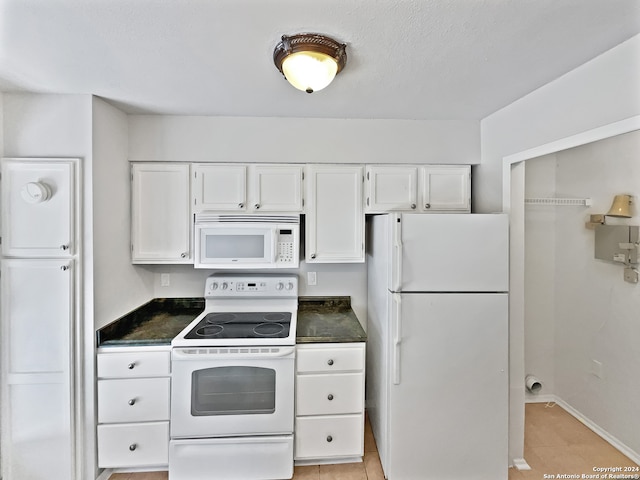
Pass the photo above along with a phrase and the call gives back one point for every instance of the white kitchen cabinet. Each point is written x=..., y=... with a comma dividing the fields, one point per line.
x=276, y=188
x=334, y=225
x=219, y=187
x=391, y=188
x=160, y=213
x=38, y=410
x=329, y=425
x=38, y=198
x=445, y=188
x=133, y=407
x=252, y=188
x=413, y=188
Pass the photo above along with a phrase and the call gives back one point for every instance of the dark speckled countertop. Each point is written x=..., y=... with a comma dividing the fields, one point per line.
x=154, y=323
x=327, y=319
x=157, y=322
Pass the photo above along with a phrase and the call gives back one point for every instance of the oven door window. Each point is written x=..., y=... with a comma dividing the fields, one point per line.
x=233, y=390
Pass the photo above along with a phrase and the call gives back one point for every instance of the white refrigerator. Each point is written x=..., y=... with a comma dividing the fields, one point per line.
x=437, y=350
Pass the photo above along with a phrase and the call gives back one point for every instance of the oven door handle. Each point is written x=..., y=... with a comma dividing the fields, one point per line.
x=190, y=354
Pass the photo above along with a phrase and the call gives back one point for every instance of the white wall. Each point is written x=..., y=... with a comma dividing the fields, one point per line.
x=119, y=287
x=596, y=312
x=598, y=93
x=540, y=262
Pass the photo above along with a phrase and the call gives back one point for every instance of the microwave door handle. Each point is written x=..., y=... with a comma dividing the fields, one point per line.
x=274, y=241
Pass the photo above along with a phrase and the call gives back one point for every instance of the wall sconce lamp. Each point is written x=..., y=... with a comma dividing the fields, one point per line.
x=621, y=207
x=309, y=61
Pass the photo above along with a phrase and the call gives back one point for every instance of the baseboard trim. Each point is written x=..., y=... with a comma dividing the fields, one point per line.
x=521, y=464
x=591, y=425
x=539, y=398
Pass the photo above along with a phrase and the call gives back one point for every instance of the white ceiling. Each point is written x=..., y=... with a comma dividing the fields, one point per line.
x=407, y=59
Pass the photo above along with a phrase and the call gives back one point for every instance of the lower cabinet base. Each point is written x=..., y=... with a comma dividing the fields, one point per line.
x=237, y=458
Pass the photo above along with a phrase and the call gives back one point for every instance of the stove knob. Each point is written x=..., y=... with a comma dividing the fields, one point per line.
x=279, y=286
x=214, y=286
x=289, y=286
x=224, y=285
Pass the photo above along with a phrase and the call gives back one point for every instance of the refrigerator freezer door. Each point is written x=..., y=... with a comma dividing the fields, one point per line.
x=448, y=415
x=453, y=253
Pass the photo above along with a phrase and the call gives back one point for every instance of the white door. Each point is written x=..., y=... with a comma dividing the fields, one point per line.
x=446, y=188
x=334, y=225
x=453, y=253
x=275, y=188
x=37, y=359
x=160, y=213
x=391, y=188
x=38, y=197
x=449, y=388
x=219, y=188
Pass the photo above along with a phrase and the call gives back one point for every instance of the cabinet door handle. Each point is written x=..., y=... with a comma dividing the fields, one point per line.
x=256, y=206
x=64, y=247
x=330, y=361
x=413, y=206
x=427, y=205
x=329, y=438
x=64, y=268
x=132, y=402
x=330, y=397
x=183, y=255
x=131, y=365
x=133, y=446
x=313, y=255
x=241, y=205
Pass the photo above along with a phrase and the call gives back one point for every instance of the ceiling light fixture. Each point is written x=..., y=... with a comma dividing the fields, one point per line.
x=309, y=61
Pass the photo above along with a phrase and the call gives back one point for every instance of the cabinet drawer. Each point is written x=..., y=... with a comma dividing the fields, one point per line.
x=134, y=364
x=329, y=394
x=331, y=436
x=330, y=359
x=133, y=400
x=133, y=445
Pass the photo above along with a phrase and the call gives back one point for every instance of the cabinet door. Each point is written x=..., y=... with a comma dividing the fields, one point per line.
x=161, y=219
x=275, y=188
x=219, y=187
x=391, y=188
x=334, y=225
x=38, y=198
x=37, y=353
x=446, y=188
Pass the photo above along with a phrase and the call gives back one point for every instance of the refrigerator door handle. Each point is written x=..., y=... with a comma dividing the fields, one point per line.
x=397, y=337
x=397, y=261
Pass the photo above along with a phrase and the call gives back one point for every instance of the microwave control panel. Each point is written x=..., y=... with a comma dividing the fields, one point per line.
x=286, y=240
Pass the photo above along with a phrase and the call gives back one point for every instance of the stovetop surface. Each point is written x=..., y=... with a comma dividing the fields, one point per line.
x=241, y=325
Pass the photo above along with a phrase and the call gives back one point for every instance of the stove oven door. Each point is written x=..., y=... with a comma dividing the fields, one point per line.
x=230, y=391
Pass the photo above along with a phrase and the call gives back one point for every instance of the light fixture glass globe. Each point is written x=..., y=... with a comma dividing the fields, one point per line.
x=309, y=71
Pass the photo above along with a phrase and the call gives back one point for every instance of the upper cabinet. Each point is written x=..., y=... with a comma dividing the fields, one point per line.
x=334, y=225
x=38, y=196
x=160, y=213
x=412, y=188
x=247, y=188
x=445, y=188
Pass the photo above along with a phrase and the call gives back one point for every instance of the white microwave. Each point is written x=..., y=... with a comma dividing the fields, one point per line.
x=247, y=241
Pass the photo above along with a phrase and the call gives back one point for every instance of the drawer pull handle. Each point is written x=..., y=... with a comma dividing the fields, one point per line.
x=330, y=397
x=132, y=401
x=131, y=365
x=329, y=439
x=330, y=361
x=133, y=446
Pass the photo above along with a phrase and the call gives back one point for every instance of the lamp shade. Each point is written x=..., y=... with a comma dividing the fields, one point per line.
x=620, y=207
x=309, y=61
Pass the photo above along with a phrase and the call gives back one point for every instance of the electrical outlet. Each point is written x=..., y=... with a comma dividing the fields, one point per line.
x=596, y=368
x=312, y=278
x=165, y=280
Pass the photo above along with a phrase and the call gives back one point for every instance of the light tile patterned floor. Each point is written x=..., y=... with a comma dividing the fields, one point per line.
x=555, y=443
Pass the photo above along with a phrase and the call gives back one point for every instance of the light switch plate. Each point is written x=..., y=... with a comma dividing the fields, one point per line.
x=312, y=278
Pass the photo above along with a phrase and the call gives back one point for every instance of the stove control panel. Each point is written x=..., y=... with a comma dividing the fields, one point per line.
x=223, y=285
